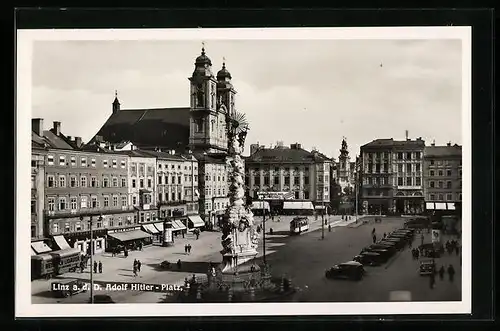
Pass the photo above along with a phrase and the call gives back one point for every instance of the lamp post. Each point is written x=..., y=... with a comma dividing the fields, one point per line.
x=357, y=187
x=91, y=257
x=323, y=215
x=263, y=231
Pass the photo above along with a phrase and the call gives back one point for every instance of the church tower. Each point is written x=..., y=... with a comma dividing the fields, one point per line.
x=344, y=164
x=207, y=123
x=116, y=103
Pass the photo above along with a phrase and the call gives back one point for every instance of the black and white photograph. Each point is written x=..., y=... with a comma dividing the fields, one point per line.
x=184, y=172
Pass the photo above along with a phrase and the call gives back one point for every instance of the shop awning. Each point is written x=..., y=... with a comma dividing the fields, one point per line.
x=150, y=228
x=32, y=251
x=440, y=206
x=304, y=205
x=129, y=235
x=197, y=221
x=179, y=225
x=429, y=205
x=159, y=226
x=40, y=247
x=450, y=206
x=61, y=242
x=260, y=205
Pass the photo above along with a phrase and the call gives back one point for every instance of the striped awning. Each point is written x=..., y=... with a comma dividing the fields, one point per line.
x=197, y=221
x=159, y=226
x=178, y=225
x=129, y=235
x=150, y=228
x=303, y=205
x=61, y=242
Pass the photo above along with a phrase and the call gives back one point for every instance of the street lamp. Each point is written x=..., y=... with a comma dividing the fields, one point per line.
x=91, y=257
x=263, y=231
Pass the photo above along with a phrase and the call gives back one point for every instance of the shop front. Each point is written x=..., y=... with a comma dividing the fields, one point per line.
x=81, y=240
x=298, y=208
x=155, y=233
x=377, y=206
x=410, y=203
x=131, y=239
x=195, y=222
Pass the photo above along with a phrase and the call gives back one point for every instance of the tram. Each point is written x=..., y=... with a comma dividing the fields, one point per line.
x=299, y=225
x=55, y=263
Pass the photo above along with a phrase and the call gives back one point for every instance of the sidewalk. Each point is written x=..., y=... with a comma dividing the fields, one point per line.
x=120, y=268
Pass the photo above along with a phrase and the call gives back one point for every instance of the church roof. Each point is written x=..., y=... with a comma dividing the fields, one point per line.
x=167, y=128
x=285, y=154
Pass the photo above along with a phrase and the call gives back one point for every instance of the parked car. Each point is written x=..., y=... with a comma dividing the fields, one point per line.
x=348, y=270
x=370, y=258
x=399, y=243
x=66, y=287
x=427, y=267
x=384, y=253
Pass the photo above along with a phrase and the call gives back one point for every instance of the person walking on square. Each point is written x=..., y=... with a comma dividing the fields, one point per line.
x=100, y=267
x=441, y=273
x=135, y=263
x=183, y=233
x=139, y=265
x=189, y=248
x=185, y=249
x=451, y=273
x=135, y=270
x=179, y=264
x=95, y=267
x=329, y=228
x=374, y=239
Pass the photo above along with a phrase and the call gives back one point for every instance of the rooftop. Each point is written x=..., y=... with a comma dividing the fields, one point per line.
x=390, y=143
x=285, y=154
x=455, y=150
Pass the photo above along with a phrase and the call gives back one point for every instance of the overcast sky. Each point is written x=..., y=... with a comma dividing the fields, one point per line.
x=309, y=91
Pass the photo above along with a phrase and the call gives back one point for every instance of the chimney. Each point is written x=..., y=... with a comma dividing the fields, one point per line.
x=406, y=134
x=37, y=126
x=449, y=143
x=69, y=138
x=433, y=143
x=57, y=128
x=78, y=142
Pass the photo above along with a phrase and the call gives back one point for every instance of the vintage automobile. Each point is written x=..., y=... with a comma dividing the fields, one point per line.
x=348, y=270
x=427, y=267
x=67, y=287
x=370, y=258
x=384, y=253
x=399, y=243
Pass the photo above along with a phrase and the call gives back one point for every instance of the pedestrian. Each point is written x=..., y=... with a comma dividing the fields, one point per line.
x=441, y=273
x=135, y=270
x=183, y=233
x=140, y=245
x=279, y=220
x=82, y=266
x=179, y=264
x=271, y=231
x=139, y=265
x=374, y=239
x=432, y=280
x=135, y=263
x=189, y=248
x=417, y=252
x=373, y=231
x=95, y=267
x=125, y=252
x=451, y=272
x=385, y=235
x=100, y=267
x=329, y=228
x=185, y=249
x=197, y=235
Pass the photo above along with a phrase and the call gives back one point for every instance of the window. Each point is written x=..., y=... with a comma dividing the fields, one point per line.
x=179, y=196
x=418, y=155
x=440, y=173
x=431, y=184
x=73, y=203
x=62, y=160
x=276, y=180
x=431, y=173
x=186, y=178
x=51, y=204
x=92, y=163
x=50, y=181
x=115, y=182
x=67, y=227
x=115, y=201
x=93, y=182
x=94, y=202
x=78, y=226
x=433, y=197
x=306, y=180
x=166, y=179
x=400, y=168
x=120, y=221
x=124, y=201
x=50, y=159
x=72, y=181
x=159, y=180
x=296, y=180
x=142, y=218
x=134, y=200
x=73, y=161
x=133, y=183
x=179, y=167
x=195, y=178
x=83, y=181
x=408, y=155
x=62, y=203
x=266, y=180
x=150, y=182
x=55, y=228
x=287, y=180
x=122, y=164
x=179, y=179
x=33, y=206
x=449, y=197
x=448, y=184
x=432, y=162
x=62, y=181
x=124, y=182
x=173, y=166
x=83, y=202
x=440, y=197
x=111, y=222
x=83, y=161
x=417, y=166
x=105, y=163
x=133, y=169
x=141, y=183
x=105, y=182
x=440, y=185
x=115, y=163
x=106, y=202
x=400, y=181
x=400, y=156
x=418, y=181
x=448, y=172
x=160, y=197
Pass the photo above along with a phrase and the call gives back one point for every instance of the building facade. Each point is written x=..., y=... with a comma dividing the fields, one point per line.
x=443, y=175
x=391, y=176
x=306, y=175
x=37, y=192
x=81, y=185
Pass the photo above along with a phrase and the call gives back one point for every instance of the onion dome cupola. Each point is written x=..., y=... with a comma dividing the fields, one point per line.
x=203, y=65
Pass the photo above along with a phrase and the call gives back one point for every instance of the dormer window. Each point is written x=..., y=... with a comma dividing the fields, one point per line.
x=62, y=160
